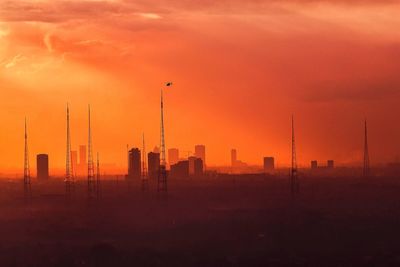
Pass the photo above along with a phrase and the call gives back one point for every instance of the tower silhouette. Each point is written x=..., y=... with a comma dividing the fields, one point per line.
x=98, y=185
x=162, y=185
x=68, y=164
x=145, y=181
x=91, y=181
x=366, y=169
x=294, y=180
x=27, y=174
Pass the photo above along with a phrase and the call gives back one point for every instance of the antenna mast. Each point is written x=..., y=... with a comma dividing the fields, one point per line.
x=91, y=182
x=27, y=174
x=68, y=164
x=145, y=181
x=366, y=170
x=162, y=173
x=294, y=181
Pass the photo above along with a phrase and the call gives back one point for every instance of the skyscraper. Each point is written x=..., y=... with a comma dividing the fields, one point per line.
x=198, y=167
x=173, y=156
x=134, y=170
x=191, y=165
x=330, y=164
x=153, y=162
x=180, y=169
x=233, y=157
x=269, y=164
x=42, y=166
x=200, y=152
x=314, y=164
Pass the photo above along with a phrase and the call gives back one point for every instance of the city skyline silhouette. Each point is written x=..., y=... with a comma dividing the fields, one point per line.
x=199, y=133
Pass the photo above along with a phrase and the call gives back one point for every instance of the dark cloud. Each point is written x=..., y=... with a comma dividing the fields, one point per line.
x=334, y=91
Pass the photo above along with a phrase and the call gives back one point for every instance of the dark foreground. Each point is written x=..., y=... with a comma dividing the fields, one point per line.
x=242, y=221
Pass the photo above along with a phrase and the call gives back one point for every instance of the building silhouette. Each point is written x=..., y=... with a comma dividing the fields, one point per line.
x=153, y=162
x=269, y=164
x=42, y=166
x=134, y=167
x=180, y=169
x=198, y=167
x=173, y=156
x=330, y=164
x=191, y=164
x=314, y=164
x=233, y=157
x=200, y=152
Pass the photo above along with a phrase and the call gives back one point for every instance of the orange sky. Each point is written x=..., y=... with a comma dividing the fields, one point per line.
x=240, y=69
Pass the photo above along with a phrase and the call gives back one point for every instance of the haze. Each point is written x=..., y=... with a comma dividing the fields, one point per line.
x=240, y=69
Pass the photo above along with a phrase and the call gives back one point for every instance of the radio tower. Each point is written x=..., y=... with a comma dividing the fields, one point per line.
x=91, y=181
x=294, y=181
x=162, y=173
x=68, y=164
x=366, y=171
x=98, y=188
x=27, y=175
x=145, y=181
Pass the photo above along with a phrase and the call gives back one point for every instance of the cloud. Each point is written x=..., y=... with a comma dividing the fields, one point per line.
x=149, y=15
x=14, y=61
x=47, y=42
x=354, y=91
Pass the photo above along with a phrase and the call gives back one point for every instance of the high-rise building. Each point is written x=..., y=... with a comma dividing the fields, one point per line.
x=269, y=164
x=191, y=165
x=153, y=162
x=180, y=169
x=198, y=167
x=134, y=168
x=233, y=157
x=314, y=164
x=42, y=166
x=173, y=156
x=200, y=152
x=330, y=164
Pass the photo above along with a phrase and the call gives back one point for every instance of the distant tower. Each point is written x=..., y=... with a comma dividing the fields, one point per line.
x=145, y=180
x=294, y=181
x=68, y=164
x=27, y=174
x=366, y=170
x=162, y=174
x=91, y=181
x=98, y=186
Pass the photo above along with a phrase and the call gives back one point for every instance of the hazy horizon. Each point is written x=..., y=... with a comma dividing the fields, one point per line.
x=239, y=71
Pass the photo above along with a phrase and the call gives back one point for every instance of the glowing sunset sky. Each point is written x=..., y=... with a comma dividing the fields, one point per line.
x=240, y=69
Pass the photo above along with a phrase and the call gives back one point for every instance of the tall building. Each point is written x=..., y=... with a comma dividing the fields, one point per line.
x=42, y=166
x=198, y=167
x=180, y=169
x=269, y=164
x=314, y=164
x=200, y=152
x=153, y=162
x=134, y=168
x=173, y=156
x=330, y=164
x=233, y=157
x=191, y=165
